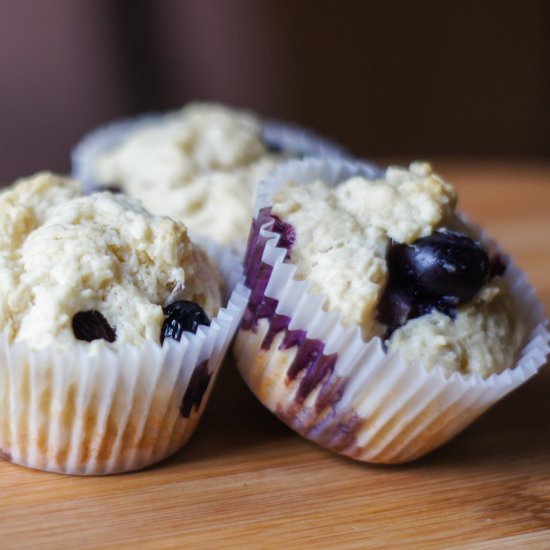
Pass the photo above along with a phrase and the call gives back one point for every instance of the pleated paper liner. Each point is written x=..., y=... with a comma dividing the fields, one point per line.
x=113, y=411
x=332, y=387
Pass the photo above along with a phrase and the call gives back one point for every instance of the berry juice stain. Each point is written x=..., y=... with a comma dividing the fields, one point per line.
x=310, y=361
x=198, y=384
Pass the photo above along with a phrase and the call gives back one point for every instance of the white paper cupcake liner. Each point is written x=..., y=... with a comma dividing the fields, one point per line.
x=301, y=141
x=113, y=411
x=331, y=386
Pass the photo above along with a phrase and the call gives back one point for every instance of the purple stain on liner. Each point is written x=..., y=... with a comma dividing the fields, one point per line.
x=278, y=324
x=293, y=338
x=332, y=391
x=309, y=358
x=198, y=384
x=287, y=233
x=318, y=369
x=257, y=274
x=4, y=455
x=317, y=366
x=330, y=430
x=255, y=246
x=343, y=436
x=261, y=308
x=337, y=433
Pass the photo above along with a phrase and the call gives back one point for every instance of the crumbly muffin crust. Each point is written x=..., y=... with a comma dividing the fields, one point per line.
x=343, y=235
x=200, y=165
x=61, y=254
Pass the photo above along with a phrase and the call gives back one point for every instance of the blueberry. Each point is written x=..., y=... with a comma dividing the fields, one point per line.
x=111, y=188
x=181, y=316
x=395, y=307
x=272, y=147
x=438, y=272
x=91, y=325
x=498, y=266
x=444, y=264
x=286, y=231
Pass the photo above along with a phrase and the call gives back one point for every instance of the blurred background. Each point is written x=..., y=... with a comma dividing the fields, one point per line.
x=386, y=78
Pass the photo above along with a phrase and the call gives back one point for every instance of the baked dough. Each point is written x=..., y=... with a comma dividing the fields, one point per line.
x=200, y=165
x=61, y=253
x=342, y=238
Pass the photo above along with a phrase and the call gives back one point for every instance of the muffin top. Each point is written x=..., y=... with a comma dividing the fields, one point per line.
x=199, y=165
x=93, y=269
x=391, y=256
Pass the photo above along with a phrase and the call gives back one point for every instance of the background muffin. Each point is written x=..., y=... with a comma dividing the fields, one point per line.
x=90, y=288
x=200, y=165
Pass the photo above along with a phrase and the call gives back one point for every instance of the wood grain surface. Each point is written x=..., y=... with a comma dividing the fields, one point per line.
x=246, y=481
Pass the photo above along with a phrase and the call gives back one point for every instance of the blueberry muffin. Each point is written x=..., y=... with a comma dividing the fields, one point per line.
x=200, y=165
x=105, y=311
x=397, y=262
x=379, y=323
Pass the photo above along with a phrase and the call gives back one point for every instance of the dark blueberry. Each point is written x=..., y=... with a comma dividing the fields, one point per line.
x=91, y=325
x=286, y=231
x=423, y=305
x=444, y=264
x=498, y=266
x=273, y=147
x=398, y=305
x=198, y=384
x=437, y=272
x=395, y=307
x=102, y=188
x=182, y=316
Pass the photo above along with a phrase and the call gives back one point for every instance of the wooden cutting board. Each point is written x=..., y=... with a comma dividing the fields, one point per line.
x=246, y=481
